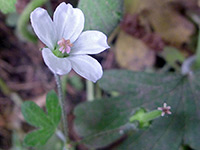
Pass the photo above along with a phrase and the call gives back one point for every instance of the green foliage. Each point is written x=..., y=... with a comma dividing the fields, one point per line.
x=7, y=6
x=47, y=123
x=11, y=19
x=173, y=56
x=102, y=15
x=54, y=143
x=104, y=121
x=22, y=25
x=76, y=82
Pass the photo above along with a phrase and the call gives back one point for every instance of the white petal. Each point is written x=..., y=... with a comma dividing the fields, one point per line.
x=69, y=21
x=57, y=65
x=87, y=67
x=44, y=27
x=90, y=42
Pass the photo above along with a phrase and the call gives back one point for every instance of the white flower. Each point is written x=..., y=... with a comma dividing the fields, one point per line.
x=67, y=45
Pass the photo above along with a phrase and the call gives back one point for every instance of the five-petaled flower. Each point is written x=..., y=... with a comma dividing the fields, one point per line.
x=67, y=45
x=165, y=109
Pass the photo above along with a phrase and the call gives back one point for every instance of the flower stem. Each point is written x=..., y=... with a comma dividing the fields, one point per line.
x=198, y=51
x=98, y=92
x=62, y=104
x=90, y=90
x=144, y=117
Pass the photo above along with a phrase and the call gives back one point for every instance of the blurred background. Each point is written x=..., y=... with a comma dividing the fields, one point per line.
x=149, y=35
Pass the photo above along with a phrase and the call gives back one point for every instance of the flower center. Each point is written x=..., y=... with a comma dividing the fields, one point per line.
x=65, y=46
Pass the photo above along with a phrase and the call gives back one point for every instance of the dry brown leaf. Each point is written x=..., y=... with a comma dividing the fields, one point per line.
x=132, y=53
x=137, y=6
x=167, y=22
x=171, y=26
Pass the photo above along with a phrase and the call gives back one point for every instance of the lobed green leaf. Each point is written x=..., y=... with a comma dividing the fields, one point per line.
x=53, y=107
x=34, y=115
x=38, y=137
x=143, y=90
x=46, y=123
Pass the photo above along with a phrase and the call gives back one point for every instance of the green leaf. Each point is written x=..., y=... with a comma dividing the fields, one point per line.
x=53, y=107
x=149, y=91
x=34, y=115
x=54, y=143
x=12, y=19
x=102, y=15
x=173, y=56
x=76, y=82
x=38, y=137
x=7, y=6
x=47, y=123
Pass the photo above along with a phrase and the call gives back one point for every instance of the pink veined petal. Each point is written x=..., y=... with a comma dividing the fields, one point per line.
x=44, y=27
x=90, y=42
x=69, y=22
x=87, y=67
x=57, y=65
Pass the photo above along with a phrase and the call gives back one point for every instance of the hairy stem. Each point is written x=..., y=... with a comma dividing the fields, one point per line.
x=24, y=20
x=198, y=51
x=62, y=104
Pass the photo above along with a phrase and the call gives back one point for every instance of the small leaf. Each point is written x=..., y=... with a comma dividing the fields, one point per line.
x=7, y=6
x=54, y=143
x=53, y=107
x=102, y=15
x=47, y=123
x=34, y=115
x=149, y=91
x=38, y=137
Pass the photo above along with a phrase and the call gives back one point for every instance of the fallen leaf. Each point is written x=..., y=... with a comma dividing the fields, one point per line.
x=170, y=25
x=137, y=6
x=132, y=53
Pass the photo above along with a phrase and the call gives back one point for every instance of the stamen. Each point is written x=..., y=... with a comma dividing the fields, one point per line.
x=65, y=45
